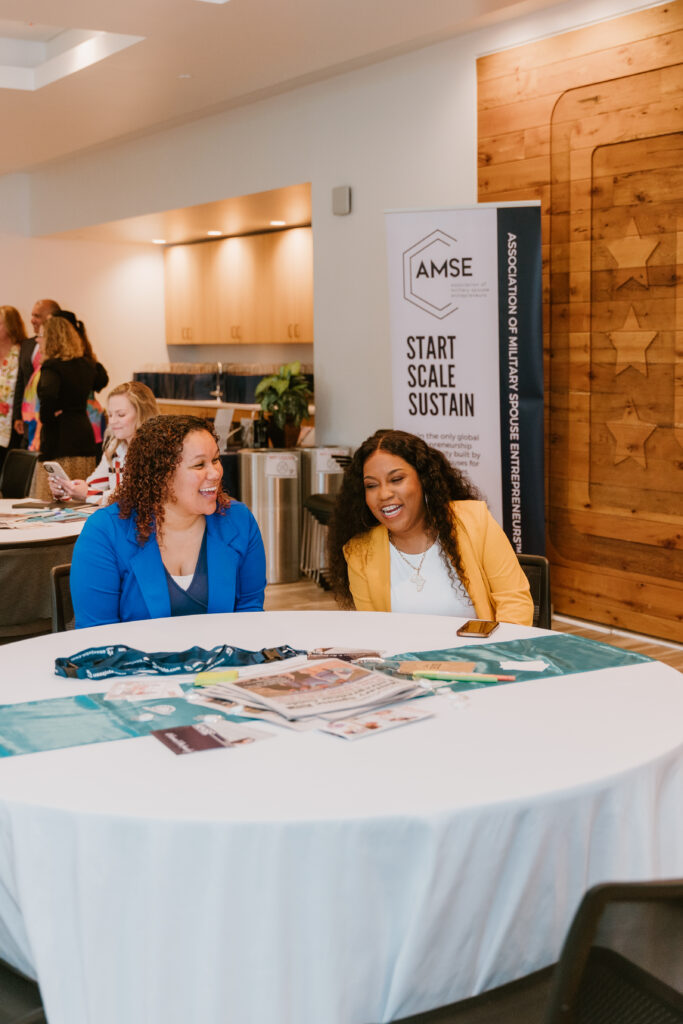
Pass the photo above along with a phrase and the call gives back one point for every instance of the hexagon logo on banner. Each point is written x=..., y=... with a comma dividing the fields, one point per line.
x=427, y=275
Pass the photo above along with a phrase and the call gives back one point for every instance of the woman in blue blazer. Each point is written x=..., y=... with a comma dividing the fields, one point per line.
x=173, y=543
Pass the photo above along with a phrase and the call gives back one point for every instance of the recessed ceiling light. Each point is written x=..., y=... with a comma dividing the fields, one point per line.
x=159, y=241
x=185, y=75
x=214, y=232
x=278, y=223
x=213, y=1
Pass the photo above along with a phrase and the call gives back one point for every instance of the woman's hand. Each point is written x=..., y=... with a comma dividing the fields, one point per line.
x=63, y=490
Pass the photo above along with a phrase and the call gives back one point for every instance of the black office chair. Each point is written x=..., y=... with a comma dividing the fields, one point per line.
x=17, y=473
x=537, y=571
x=62, y=607
x=622, y=960
x=621, y=963
x=20, y=1001
x=318, y=510
x=321, y=506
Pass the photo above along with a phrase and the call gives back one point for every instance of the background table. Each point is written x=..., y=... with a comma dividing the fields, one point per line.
x=26, y=557
x=51, y=531
x=307, y=879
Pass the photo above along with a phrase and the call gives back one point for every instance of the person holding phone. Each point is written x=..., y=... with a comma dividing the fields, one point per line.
x=409, y=534
x=172, y=543
x=129, y=405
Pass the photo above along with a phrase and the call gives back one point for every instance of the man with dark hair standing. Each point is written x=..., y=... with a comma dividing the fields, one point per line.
x=30, y=358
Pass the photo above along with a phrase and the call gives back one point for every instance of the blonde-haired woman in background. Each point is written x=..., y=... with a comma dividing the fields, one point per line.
x=129, y=405
x=12, y=333
x=67, y=377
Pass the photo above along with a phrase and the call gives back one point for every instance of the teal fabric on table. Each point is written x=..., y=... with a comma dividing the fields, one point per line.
x=77, y=721
x=563, y=654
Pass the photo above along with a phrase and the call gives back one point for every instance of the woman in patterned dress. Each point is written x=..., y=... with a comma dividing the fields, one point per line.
x=12, y=333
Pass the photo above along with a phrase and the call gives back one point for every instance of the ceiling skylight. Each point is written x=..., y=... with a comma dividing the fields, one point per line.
x=32, y=56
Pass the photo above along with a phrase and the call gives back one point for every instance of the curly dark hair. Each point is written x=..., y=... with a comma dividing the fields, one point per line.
x=441, y=484
x=151, y=460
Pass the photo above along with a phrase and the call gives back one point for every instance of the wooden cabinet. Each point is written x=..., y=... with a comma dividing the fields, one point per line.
x=185, y=271
x=291, y=285
x=251, y=289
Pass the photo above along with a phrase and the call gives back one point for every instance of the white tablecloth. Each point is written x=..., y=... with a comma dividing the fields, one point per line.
x=49, y=532
x=310, y=880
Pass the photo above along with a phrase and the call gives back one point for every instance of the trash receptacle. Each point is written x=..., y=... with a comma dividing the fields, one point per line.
x=270, y=485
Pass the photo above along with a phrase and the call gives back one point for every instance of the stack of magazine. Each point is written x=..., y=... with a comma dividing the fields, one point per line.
x=310, y=693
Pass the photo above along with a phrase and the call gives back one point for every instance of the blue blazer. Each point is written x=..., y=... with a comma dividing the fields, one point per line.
x=115, y=579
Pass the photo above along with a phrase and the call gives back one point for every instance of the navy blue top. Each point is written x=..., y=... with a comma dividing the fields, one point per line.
x=194, y=600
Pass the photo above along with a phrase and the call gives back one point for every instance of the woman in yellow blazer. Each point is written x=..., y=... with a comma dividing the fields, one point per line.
x=409, y=535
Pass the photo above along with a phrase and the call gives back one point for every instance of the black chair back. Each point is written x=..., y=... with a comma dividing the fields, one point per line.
x=537, y=571
x=17, y=473
x=20, y=1001
x=321, y=506
x=62, y=607
x=622, y=960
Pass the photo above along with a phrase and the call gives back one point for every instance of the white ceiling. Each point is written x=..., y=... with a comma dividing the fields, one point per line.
x=199, y=57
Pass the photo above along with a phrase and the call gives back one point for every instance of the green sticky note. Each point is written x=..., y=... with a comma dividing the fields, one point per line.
x=226, y=675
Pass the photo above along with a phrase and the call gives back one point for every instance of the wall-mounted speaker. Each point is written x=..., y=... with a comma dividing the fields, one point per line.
x=341, y=200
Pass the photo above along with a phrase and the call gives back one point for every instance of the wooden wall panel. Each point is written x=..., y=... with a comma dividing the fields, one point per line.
x=591, y=123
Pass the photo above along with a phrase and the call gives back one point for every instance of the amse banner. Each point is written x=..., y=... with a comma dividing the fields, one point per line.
x=467, y=350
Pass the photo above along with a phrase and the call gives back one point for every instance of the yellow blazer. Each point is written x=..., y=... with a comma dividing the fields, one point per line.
x=495, y=581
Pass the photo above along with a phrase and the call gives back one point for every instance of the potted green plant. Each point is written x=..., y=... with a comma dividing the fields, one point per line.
x=284, y=396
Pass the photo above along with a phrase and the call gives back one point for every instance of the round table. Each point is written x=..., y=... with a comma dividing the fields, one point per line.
x=33, y=534
x=27, y=554
x=308, y=879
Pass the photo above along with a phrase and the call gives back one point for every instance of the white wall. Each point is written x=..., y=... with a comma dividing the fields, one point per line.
x=401, y=133
x=116, y=290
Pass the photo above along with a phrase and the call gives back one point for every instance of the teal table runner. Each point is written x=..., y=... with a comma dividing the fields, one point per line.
x=76, y=721
x=563, y=655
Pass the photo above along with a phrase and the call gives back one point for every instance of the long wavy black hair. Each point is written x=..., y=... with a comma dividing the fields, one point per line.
x=441, y=484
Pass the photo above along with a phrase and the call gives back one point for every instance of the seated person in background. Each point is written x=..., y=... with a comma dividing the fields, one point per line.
x=129, y=405
x=408, y=535
x=173, y=543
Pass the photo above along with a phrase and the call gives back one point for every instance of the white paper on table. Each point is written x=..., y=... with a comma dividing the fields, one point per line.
x=524, y=666
x=143, y=689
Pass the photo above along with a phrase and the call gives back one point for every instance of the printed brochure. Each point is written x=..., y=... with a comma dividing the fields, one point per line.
x=319, y=688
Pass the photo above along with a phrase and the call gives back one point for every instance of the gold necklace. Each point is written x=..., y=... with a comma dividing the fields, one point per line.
x=417, y=578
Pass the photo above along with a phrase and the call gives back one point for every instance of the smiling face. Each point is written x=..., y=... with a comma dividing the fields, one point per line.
x=393, y=493
x=123, y=420
x=194, y=484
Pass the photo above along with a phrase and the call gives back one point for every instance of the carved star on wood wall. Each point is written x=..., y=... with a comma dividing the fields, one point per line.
x=630, y=433
x=631, y=254
x=631, y=344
